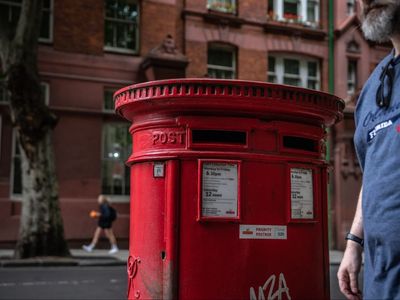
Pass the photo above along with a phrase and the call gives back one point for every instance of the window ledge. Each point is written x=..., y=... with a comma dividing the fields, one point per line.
x=118, y=199
x=46, y=41
x=216, y=17
x=16, y=197
x=120, y=50
x=300, y=29
x=220, y=12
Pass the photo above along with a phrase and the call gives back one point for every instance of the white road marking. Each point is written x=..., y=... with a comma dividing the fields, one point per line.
x=60, y=282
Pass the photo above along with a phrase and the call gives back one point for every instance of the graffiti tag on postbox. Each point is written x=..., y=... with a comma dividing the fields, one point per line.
x=274, y=291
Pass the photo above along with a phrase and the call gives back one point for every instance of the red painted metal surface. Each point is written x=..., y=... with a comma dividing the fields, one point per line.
x=228, y=190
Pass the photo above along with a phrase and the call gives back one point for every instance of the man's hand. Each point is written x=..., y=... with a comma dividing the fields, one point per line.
x=348, y=271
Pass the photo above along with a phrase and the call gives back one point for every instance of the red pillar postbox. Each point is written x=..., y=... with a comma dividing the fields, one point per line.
x=228, y=190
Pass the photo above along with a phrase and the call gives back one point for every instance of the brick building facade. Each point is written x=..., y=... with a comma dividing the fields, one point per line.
x=91, y=48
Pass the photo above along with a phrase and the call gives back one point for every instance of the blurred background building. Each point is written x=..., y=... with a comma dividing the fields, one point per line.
x=89, y=49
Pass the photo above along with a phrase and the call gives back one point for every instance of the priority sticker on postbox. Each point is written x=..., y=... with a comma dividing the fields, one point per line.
x=263, y=232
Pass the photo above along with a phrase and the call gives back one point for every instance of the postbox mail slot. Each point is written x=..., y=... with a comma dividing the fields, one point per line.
x=205, y=136
x=300, y=143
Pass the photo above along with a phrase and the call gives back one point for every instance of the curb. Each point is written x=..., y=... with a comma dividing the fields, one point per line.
x=63, y=262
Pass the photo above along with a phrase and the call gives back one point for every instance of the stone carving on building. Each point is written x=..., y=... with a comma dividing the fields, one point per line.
x=167, y=50
x=163, y=62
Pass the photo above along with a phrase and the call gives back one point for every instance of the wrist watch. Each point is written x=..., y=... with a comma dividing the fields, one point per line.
x=354, y=238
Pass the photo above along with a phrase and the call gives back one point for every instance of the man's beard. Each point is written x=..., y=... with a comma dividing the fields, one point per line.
x=380, y=23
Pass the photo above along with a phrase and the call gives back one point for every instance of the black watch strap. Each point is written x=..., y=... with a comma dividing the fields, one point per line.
x=355, y=238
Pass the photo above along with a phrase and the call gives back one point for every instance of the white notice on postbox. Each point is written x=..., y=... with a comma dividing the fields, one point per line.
x=219, y=190
x=302, y=198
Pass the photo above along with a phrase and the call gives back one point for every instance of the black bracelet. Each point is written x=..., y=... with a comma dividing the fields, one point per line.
x=354, y=238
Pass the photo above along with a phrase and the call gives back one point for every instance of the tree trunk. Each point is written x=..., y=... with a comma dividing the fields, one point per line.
x=41, y=228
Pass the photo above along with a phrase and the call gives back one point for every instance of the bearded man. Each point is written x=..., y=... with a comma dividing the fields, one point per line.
x=376, y=225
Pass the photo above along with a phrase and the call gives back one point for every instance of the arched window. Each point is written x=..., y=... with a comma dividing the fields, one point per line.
x=353, y=47
x=351, y=76
x=294, y=70
x=353, y=51
x=351, y=7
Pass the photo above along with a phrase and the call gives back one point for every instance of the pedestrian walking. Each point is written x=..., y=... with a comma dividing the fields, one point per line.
x=106, y=216
x=376, y=225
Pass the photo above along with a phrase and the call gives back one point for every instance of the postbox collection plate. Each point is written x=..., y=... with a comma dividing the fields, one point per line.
x=302, y=193
x=219, y=190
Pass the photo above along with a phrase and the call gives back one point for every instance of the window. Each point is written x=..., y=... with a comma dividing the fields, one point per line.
x=45, y=87
x=351, y=7
x=4, y=95
x=294, y=70
x=290, y=10
x=291, y=72
x=221, y=62
x=46, y=27
x=313, y=76
x=10, y=10
x=312, y=12
x=351, y=76
x=1, y=133
x=225, y=6
x=108, y=103
x=271, y=69
x=116, y=148
x=121, y=26
x=16, y=168
x=305, y=12
x=353, y=47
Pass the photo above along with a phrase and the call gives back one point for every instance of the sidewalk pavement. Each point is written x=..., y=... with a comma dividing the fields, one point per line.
x=335, y=257
x=99, y=257
x=79, y=257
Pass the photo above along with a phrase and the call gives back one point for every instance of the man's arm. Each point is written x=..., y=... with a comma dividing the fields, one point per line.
x=352, y=258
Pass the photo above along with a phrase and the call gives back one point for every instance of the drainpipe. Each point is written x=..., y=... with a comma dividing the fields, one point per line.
x=331, y=41
x=331, y=89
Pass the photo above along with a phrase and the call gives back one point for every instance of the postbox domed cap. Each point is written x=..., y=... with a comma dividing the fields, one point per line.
x=230, y=98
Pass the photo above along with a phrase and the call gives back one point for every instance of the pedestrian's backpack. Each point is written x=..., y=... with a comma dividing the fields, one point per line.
x=113, y=214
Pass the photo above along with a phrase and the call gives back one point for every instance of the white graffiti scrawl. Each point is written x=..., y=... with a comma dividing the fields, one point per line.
x=269, y=286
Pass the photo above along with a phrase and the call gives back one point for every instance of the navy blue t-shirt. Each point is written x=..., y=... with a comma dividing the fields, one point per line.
x=104, y=220
x=377, y=141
